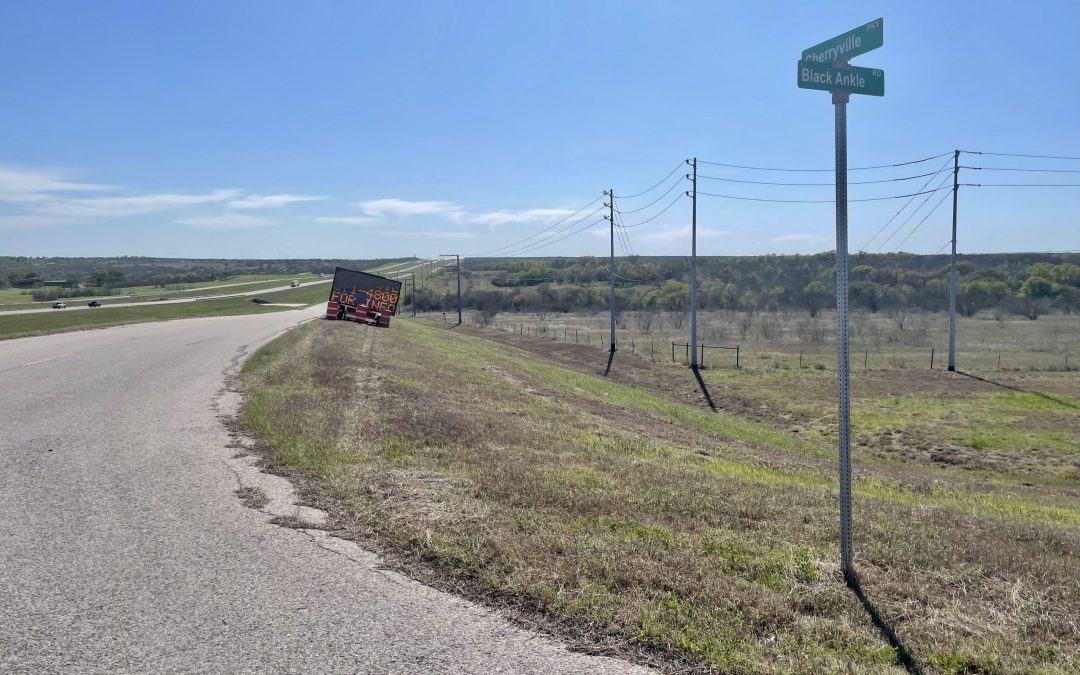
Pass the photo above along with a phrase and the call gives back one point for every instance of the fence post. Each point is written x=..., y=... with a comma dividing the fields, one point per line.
x=673, y=352
x=800, y=359
x=931, y=358
x=1066, y=362
x=575, y=336
x=702, y=359
x=999, y=361
x=865, y=357
x=736, y=356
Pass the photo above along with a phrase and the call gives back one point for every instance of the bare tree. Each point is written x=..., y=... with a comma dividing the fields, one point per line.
x=770, y=328
x=858, y=320
x=485, y=317
x=644, y=319
x=899, y=314
x=744, y=323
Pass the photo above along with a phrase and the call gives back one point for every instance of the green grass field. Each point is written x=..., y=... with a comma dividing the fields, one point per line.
x=22, y=325
x=985, y=343
x=623, y=510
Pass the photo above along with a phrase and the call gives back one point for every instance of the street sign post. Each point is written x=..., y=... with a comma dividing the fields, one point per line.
x=852, y=79
x=847, y=46
x=825, y=67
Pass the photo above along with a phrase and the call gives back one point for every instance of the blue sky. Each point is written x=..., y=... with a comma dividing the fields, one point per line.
x=283, y=129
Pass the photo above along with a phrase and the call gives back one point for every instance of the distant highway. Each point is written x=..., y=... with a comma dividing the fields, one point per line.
x=75, y=304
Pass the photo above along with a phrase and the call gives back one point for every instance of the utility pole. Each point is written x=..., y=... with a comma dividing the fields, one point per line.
x=412, y=297
x=693, y=270
x=611, y=218
x=457, y=258
x=952, y=264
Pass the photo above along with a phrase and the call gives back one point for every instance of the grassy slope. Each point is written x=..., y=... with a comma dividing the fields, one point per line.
x=641, y=519
x=22, y=325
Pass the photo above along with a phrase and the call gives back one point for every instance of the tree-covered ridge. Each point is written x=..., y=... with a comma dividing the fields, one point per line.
x=1026, y=283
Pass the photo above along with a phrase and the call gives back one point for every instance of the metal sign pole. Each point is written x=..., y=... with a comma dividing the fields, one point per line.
x=840, y=100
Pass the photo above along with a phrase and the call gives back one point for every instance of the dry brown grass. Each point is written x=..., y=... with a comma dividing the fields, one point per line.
x=631, y=514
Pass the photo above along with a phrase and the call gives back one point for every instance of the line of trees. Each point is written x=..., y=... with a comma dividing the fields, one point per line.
x=1023, y=284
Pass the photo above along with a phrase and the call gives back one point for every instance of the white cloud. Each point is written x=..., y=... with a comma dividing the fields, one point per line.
x=432, y=234
x=47, y=197
x=115, y=207
x=347, y=220
x=29, y=222
x=271, y=201
x=402, y=207
x=494, y=218
x=799, y=238
x=676, y=234
x=26, y=186
x=226, y=221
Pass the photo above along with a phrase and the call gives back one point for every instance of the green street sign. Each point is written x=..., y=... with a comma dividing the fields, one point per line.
x=849, y=45
x=853, y=79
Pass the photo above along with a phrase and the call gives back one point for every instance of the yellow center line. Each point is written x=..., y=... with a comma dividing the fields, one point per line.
x=45, y=360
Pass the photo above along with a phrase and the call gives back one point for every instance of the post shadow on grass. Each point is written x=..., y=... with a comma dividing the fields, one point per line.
x=704, y=389
x=1048, y=397
x=610, y=358
x=883, y=627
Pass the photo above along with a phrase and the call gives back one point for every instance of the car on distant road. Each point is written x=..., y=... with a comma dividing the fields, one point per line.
x=93, y=303
x=59, y=305
x=294, y=284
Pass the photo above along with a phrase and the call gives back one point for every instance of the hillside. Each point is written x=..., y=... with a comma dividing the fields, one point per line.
x=625, y=511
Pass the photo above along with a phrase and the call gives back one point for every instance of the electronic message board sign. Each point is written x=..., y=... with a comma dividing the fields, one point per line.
x=362, y=297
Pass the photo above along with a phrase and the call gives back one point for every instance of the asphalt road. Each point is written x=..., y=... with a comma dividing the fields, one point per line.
x=76, y=304
x=124, y=548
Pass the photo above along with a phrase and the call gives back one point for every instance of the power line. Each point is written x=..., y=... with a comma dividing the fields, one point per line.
x=818, y=201
x=943, y=247
x=940, y=202
x=522, y=246
x=859, y=182
x=661, y=182
x=654, y=217
x=1013, y=154
x=624, y=236
x=637, y=281
x=535, y=234
x=910, y=216
x=620, y=234
x=901, y=209
x=857, y=168
x=1008, y=168
x=673, y=186
x=1021, y=184
x=550, y=241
